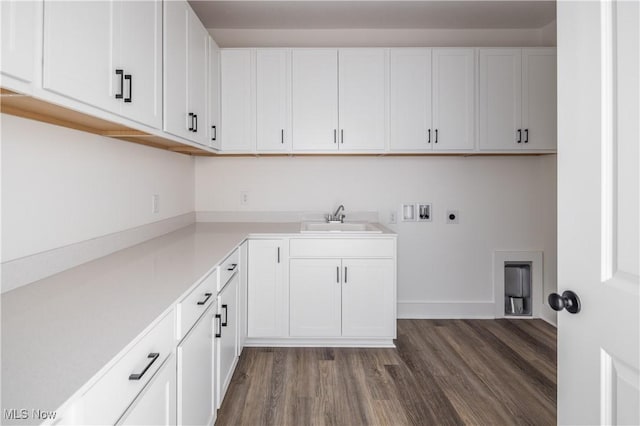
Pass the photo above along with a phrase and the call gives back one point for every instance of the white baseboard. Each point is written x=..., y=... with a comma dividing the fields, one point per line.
x=25, y=270
x=293, y=342
x=445, y=310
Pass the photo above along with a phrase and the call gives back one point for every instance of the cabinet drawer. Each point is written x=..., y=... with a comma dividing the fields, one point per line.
x=228, y=268
x=108, y=399
x=195, y=303
x=342, y=247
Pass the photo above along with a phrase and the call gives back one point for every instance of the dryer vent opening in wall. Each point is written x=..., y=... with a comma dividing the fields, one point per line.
x=517, y=288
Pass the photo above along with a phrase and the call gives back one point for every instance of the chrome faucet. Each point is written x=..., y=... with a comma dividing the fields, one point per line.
x=337, y=216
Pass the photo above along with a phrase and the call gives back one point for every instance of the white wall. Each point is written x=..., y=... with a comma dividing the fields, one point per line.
x=504, y=203
x=62, y=186
x=226, y=37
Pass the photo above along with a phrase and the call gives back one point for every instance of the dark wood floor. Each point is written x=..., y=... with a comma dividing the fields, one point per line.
x=479, y=372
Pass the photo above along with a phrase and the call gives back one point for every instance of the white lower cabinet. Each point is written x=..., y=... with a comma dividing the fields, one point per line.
x=196, y=373
x=342, y=297
x=226, y=335
x=156, y=405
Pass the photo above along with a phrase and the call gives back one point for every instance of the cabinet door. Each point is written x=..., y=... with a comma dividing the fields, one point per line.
x=500, y=99
x=273, y=96
x=237, y=104
x=226, y=345
x=176, y=118
x=78, y=52
x=539, y=99
x=315, y=99
x=267, y=291
x=214, y=94
x=362, y=99
x=368, y=298
x=453, y=99
x=195, y=373
x=315, y=297
x=198, y=38
x=410, y=100
x=156, y=404
x=19, y=32
x=139, y=44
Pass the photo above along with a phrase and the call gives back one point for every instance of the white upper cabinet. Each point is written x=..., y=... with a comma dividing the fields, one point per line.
x=453, y=99
x=185, y=73
x=21, y=24
x=517, y=99
x=315, y=99
x=106, y=54
x=410, y=99
x=238, y=105
x=273, y=100
x=362, y=99
x=213, y=106
x=539, y=98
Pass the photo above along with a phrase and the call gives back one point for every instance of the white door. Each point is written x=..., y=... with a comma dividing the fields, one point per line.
x=196, y=363
x=156, y=404
x=175, y=57
x=213, y=106
x=500, y=78
x=139, y=53
x=19, y=20
x=539, y=95
x=238, y=133
x=226, y=345
x=267, y=304
x=367, y=289
x=598, y=186
x=315, y=297
x=78, y=52
x=314, y=99
x=273, y=97
x=410, y=100
x=362, y=98
x=197, y=79
x=453, y=99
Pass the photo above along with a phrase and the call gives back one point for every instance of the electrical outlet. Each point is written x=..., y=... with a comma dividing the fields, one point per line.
x=155, y=203
x=453, y=216
x=244, y=198
x=424, y=212
x=392, y=217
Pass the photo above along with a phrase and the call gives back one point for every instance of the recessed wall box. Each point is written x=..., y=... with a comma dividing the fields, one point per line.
x=408, y=212
x=424, y=211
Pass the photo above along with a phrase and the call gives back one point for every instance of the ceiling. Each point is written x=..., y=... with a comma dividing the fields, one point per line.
x=382, y=14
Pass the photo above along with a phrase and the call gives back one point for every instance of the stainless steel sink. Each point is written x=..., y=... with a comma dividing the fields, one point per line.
x=349, y=227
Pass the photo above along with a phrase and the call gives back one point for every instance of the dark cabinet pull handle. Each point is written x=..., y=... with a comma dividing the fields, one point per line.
x=129, y=78
x=121, y=74
x=436, y=141
x=219, y=333
x=569, y=301
x=137, y=376
x=195, y=118
x=338, y=274
x=345, y=274
x=191, y=121
x=215, y=133
x=232, y=267
x=226, y=315
x=429, y=141
x=282, y=136
x=207, y=297
x=519, y=136
x=526, y=135
x=341, y=135
x=335, y=140
x=278, y=254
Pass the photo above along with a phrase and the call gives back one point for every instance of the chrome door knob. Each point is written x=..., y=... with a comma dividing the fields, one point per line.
x=569, y=301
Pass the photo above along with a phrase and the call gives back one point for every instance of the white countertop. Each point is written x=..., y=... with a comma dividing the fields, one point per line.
x=57, y=333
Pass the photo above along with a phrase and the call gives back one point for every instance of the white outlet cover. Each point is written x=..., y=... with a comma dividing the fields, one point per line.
x=408, y=212
x=155, y=203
